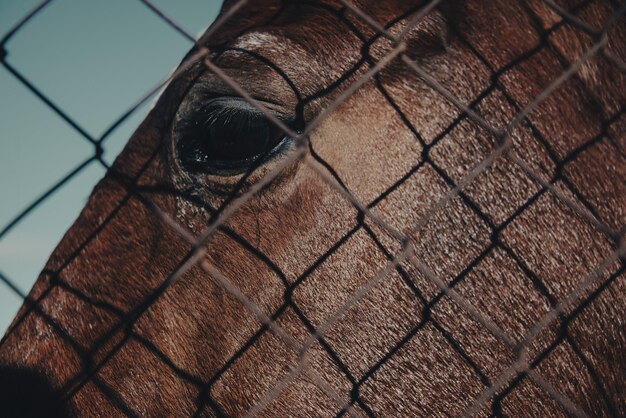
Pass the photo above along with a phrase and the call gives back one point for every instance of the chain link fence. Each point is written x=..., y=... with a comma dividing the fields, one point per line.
x=404, y=256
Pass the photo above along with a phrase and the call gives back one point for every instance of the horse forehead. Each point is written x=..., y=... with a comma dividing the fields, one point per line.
x=321, y=28
x=309, y=56
x=271, y=45
x=321, y=33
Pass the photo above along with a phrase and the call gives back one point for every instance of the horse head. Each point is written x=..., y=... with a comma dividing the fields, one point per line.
x=373, y=208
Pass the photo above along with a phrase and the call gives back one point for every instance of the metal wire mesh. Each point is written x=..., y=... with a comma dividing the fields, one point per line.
x=405, y=259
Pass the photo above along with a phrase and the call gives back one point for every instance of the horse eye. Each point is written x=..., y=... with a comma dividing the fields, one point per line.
x=226, y=137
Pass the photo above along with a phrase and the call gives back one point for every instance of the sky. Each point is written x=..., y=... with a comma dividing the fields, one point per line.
x=94, y=59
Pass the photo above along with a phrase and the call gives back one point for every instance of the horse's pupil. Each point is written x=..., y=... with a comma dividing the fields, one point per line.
x=215, y=140
x=236, y=140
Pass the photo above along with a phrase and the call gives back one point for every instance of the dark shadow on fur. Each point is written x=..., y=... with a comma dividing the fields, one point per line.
x=26, y=393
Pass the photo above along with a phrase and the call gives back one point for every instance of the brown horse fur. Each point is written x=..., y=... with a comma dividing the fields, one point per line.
x=84, y=335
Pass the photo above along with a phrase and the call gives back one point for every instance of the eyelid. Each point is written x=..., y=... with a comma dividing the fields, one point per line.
x=254, y=80
x=236, y=105
x=273, y=109
x=208, y=87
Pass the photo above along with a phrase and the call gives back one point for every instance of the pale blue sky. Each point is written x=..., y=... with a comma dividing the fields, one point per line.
x=94, y=59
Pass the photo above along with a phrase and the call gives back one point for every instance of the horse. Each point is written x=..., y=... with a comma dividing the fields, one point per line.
x=365, y=208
